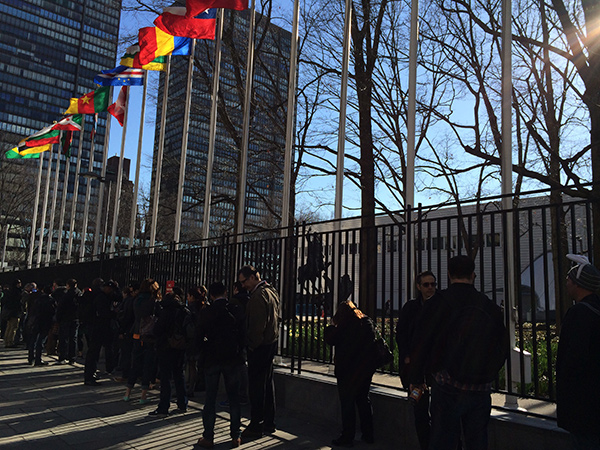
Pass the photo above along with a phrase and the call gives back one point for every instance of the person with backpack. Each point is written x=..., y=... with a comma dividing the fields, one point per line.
x=578, y=358
x=462, y=342
x=171, y=337
x=222, y=329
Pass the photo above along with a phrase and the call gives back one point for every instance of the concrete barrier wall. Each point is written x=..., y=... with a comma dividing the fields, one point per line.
x=316, y=396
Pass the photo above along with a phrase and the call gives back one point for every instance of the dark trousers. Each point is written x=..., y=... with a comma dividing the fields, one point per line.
x=423, y=420
x=260, y=386
x=231, y=375
x=354, y=393
x=67, y=340
x=170, y=367
x=452, y=409
x=99, y=337
x=143, y=364
x=36, y=344
x=126, y=351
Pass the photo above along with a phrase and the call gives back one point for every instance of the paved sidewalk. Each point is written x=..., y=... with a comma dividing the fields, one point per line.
x=46, y=408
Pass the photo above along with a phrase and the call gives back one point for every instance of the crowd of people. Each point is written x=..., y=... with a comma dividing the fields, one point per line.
x=185, y=339
x=451, y=346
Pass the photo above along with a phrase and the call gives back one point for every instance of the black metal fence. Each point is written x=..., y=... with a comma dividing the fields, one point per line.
x=313, y=264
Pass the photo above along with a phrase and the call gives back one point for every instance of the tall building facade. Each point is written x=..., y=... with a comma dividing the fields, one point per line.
x=50, y=51
x=264, y=188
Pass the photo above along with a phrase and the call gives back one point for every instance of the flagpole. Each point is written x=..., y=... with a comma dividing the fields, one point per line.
x=45, y=206
x=213, y=126
x=119, y=179
x=53, y=207
x=36, y=204
x=243, y=168
x=289, y=129
x=159, y=156
x=184, y=144
x=75, y=190
x=137, y=166
x=88, y=187
x=63, y=204
x=101, y=191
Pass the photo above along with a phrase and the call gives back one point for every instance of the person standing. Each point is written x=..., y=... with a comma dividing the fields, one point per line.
x=353, y=333
x=66, y=315
x=463, y=343
x=262, y=321
x=222, y=329
x=12, y=313
x=426, y=287
x=41, y=310
x=578, y=359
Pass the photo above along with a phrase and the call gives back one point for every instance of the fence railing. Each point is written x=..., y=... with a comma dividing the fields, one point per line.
x=310, y=264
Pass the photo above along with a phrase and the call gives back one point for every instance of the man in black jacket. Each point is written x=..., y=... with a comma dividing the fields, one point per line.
x=578, y=360
x=463, y=343
x=66, y=315
x=426, y=286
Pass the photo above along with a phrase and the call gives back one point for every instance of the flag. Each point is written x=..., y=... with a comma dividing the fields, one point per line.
x=36, y=140
x=131, y=59
x=65, y=143
x=13, y=153
x=69, y=123
x=174, y=21
x=154, y=42
x=92, y=102
x=120, y=76
x=93, y=132
x=117, y=109
x=195, y=7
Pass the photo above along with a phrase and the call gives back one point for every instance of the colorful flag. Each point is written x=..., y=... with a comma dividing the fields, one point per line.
x=13, y=153
x=120, y=76
x=131, y=59
x=195, y=7
x=118, y=108
x=36, y=140
x=69, y=123
x=65, y=143
x=174, y=21
x=155, y=42
x=92, y=102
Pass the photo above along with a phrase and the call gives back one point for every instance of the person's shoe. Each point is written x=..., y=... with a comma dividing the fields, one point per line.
x=251, y=433
x=343, y=442
x=156, y=413
x=29, y=361
x=71, y=361
x=269, y=429
x=144, y=401
x=205, y=443
x=61, y=362
x=91, y=383
x=235, y=443
x=178, y=411
x=125, y=398
x=40, y=363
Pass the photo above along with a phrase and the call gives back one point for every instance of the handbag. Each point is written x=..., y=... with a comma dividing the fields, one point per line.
x=147, y=327
x=381, y=351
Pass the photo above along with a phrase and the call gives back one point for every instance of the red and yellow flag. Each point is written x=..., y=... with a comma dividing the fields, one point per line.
x=91, y=103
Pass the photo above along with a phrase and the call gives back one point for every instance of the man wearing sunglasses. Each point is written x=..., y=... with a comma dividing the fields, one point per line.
x=427, y=287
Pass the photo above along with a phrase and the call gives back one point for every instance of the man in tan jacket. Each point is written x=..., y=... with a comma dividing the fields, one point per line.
x=262, y=318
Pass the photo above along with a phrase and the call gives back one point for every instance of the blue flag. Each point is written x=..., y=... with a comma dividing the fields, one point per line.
x=120, y=76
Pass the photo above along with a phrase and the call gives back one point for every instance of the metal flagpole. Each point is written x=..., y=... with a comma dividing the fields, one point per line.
x=53, y=207
x=101, y=191
x=119, y=178
x=75, y=191
x=86, y=208
x=36, y=204
x=289, y=129
x=159, y=157
x=137, y=166
x=409, y=176
x=506, y=181
x=63, y=204
x=339, y=178
x=243, y=168
x=184, y=144
x=45, y=207
x=213, y=127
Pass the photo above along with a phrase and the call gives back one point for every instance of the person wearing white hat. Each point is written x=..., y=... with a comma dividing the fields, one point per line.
x=578, y=359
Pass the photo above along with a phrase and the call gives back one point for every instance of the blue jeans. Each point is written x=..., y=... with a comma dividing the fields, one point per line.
x=585, y=441
x=170, y=366
x=231, y=374
x=452, y=408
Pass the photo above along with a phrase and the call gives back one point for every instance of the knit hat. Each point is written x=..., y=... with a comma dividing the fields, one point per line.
x=584, y=274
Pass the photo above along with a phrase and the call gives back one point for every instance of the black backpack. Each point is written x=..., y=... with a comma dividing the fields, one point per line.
x=224, y=336
x=477, y=342
x=182, y=329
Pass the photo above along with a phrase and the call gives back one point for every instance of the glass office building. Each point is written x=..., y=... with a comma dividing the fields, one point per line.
x=264, y=189
x=50, y=51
